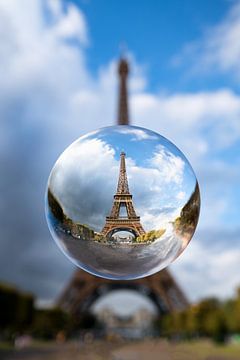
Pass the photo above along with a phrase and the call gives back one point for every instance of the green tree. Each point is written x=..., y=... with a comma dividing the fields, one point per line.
x=17, y=308
x=48, y=322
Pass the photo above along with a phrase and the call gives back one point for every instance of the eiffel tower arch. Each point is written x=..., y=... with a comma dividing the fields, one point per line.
x=84, y=289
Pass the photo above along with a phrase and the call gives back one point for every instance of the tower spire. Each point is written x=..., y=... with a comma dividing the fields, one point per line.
x=122, y=180
x=123, y=70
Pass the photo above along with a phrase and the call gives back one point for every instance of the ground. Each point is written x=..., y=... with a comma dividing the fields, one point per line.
x=118, y=350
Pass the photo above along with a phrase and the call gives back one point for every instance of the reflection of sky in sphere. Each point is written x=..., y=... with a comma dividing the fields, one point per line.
x=85, y=176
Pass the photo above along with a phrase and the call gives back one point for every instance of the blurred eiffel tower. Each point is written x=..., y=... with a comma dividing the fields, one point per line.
x=84, y=289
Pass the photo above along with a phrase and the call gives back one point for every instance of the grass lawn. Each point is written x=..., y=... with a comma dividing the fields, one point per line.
x=157, y=349
x=206, y=349
x=163, y=350
x=5, y=345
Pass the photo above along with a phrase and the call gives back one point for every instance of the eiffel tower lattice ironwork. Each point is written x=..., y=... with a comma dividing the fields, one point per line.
x=123, y=201
x=123, y=69
x=84, y=289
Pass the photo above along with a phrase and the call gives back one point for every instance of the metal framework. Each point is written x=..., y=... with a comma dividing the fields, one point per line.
x=123, y=69
x=123, y=199
x=84, y=289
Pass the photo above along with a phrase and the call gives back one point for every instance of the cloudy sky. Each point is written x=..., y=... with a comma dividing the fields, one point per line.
x=85, y=177
x=58, y=81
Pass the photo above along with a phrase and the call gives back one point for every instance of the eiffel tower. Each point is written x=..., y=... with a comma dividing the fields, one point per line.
x=84, y=289
x=123, y=203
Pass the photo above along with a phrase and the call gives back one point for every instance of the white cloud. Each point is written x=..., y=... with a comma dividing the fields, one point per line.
x=219, y=49
x=137, y=134
x=181, y=195
x=55, y=6
x=71, y=24
x=171, y=166
x=84, y=180
x=186, y=117
x=208, y=269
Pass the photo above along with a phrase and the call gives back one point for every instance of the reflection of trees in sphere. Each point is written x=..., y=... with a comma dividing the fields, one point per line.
x=122, y=202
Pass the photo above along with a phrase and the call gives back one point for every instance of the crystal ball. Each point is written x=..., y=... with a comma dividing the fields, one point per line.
x=122, y=202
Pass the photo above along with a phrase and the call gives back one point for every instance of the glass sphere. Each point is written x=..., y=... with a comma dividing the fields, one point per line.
x=122, y=202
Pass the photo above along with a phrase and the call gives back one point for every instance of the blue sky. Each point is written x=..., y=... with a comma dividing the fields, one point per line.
x=58, y=81
x=155, y=31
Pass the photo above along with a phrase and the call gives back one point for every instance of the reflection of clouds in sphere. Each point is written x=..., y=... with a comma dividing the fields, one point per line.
x=83, y=179
x=161, y=182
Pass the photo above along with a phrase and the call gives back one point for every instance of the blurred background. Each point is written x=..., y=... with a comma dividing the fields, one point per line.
x=58, y=80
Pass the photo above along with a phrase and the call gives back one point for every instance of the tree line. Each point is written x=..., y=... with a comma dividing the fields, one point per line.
x=19, y=315
x=208, y=318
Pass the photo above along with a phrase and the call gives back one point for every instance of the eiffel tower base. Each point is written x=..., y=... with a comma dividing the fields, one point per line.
x=112, y=226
